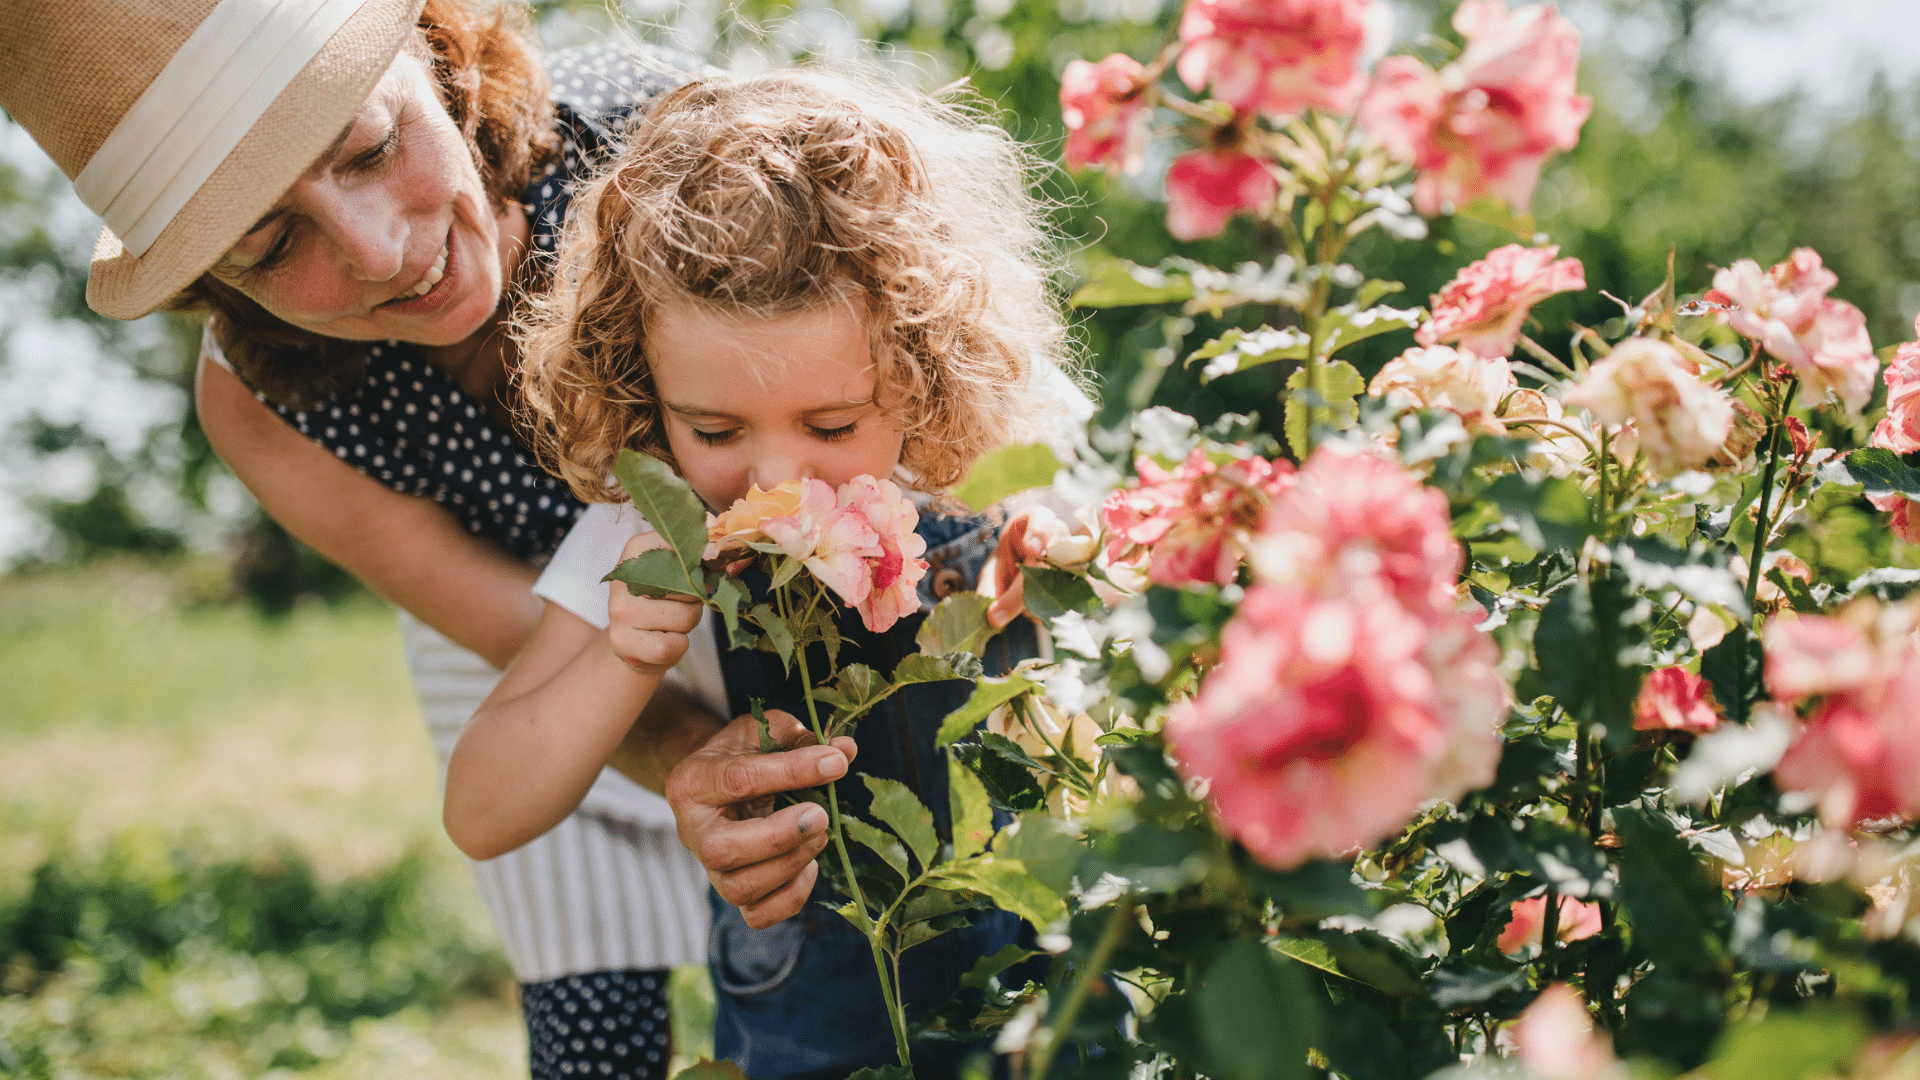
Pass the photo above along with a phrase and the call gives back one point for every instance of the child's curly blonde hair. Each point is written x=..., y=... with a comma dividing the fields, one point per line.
x=769, y=195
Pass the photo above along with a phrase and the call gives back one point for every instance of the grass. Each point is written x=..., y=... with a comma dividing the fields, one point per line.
x=220, y=849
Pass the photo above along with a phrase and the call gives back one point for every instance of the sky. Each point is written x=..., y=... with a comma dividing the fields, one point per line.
x=1827, y=49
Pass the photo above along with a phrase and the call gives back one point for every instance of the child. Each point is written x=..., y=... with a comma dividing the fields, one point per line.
x=794, y=275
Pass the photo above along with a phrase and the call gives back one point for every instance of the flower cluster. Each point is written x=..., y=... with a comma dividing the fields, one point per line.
x=1527, y=923
x=1859, y=750
x=859, y=541
x=1281, y=57
x=1481, y=310
x=1350, y=689
x=1681, y=422
x=1193, y=520
x=1787, y=312
x=1484, y=124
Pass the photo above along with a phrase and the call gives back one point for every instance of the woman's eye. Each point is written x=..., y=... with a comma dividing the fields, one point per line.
x=379, y=154
x=715, y=438
x=275, y=255
x=833, y=434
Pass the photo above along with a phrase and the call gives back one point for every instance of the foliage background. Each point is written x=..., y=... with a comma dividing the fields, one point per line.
x=162, y=908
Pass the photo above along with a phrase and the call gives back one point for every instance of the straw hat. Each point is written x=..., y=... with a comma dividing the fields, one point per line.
x=181, y=122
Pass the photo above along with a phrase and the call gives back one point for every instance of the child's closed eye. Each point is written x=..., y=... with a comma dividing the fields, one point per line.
x=845, y=431
x=715, y=438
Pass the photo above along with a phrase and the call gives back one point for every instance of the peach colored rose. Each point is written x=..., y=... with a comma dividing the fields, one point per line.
x=1281, y=57
x=1675, y=699
x=1900, y=430
x=894, y=570
x=1528, y=921
x=1104, y=112
x=1193, y=520
x=1206, y=187
x=1681, y=422
x=1482, y=309
x=1438, y=377
x=733, y=530
x=1556, y=1039
x=1484, y=124
x=1787, y=311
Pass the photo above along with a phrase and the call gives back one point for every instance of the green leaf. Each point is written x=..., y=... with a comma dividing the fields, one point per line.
x=897, y=807
x=993, y=964
x=1343, y=383
x=922, y=667
x=1795, y=590
x=777, y=632
x=1007, y=471
x=1821, y=1042
x=1455, y=983
x=655, y=573
x=1674, y=908
x=727, y=596
x=988, y=695
x=1119, y=283
x=931, y=904
x=1552, y=513
x=1357, y=325
x=708, y=1069
x=956, y=624
x=1735, y=668
x=878, y=842
x=785, y=569
x=972, y=813
x=1009, y=885
x=1374, y=291
x=1491, y=211
x=1046, y=848
x=884, y=1072
x=1010, y=786
x=768, y=744
x=668, y=504
x=1051, y=593
x=1879, y=472
x=1238, y=350
x=1256, y=1015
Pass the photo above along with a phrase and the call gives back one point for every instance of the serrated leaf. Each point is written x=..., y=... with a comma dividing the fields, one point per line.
x=856, y=682
x=1119, y=283
x=993, y=964
x=1051, y=593
x=1343, y=385
x=1045, y=846
x=972, y=813
x=727, y=595
x=1238, y=350
x=1357, y=325
x=931, y=904
x=988, y=695
x=880, y=843
x=1007, y=471
x=1795, y=590
x=898, y=808
x=668, y=504
x=785, y=569
x=655, y=573
x=776, y=631
x=956, y=624
x=1010, y=887
x=1256, y=1017
x=1879, y=472
x=922, y=668
x=768, y=744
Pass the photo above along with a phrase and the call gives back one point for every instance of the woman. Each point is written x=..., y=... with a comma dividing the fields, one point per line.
x=352, y=189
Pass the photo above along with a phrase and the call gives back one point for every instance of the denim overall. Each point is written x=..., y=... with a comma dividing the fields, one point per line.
x=800, y=999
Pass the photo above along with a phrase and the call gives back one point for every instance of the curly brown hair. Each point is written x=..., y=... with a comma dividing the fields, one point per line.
x=495, y=89
x=768, y=195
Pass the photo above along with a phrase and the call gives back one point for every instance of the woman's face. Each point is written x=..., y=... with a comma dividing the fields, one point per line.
x=757, y=402
x=389, y=234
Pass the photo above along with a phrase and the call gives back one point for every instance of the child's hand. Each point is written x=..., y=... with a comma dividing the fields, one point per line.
x=649, y=635
x=722, y=795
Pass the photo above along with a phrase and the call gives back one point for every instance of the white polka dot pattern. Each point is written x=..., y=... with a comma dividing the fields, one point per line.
x=611, y=1023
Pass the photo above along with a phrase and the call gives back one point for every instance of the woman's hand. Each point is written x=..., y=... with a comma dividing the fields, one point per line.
x=649, y=635
x=759, y=860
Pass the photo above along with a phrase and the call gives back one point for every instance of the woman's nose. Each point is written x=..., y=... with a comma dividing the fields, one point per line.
x=368, y=229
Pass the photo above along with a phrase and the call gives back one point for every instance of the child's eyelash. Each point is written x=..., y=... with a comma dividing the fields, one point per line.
x=715, y=438
x=833, y=434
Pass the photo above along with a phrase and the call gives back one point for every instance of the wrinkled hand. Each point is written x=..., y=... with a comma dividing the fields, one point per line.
x=649, y=635
x=1023, y=542
x=722, y=795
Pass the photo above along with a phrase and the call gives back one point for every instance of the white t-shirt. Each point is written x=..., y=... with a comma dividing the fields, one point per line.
x=572, y=580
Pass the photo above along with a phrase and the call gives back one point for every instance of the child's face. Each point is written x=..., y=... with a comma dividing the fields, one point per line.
x=752, y=401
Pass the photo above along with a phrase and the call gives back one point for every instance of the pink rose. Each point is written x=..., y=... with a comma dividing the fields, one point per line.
x=1482, y=308
x=1349, y=688
x=1859, y=750
x=1556, y=1040
x=1903, y=522
x=1104, y=112
x=1528, y=921
x=1281, y=57
x=1675, y=699
x=1681, y=422
x=1485, y=123
x=894, y=570
x=1787, y=311
x=1438, y=377
x=1193, y=520
x=1206, y=187
x=1900, y=431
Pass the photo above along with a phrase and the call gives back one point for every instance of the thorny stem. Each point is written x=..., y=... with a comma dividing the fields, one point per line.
x=1110, y=936
x=895, y=1016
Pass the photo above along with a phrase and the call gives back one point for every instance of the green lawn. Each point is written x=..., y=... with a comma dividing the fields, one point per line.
x=220, y=849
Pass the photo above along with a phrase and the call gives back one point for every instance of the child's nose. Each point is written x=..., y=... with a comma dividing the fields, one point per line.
x=778, y=463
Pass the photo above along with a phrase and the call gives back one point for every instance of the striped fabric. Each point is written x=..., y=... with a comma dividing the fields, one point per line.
x=610, y=888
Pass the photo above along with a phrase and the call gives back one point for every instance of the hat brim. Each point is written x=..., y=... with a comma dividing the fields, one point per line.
x=300, y=124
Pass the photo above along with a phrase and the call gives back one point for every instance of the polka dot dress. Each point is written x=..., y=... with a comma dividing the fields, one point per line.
x=611, y=1024
x=408, y=425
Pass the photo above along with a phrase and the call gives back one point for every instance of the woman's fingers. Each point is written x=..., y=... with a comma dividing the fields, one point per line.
x=754, y=882
x=784, y=903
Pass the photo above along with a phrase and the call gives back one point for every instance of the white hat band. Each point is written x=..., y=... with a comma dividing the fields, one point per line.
x=198, y=109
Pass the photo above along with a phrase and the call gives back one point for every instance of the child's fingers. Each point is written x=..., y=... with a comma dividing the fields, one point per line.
x=667, y=613
x=783, y=904
x=646, y=650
